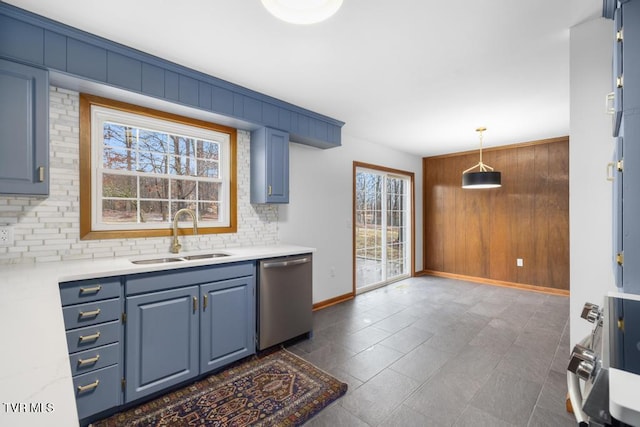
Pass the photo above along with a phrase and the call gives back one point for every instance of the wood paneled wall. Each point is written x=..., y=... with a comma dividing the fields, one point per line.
x=481, y=233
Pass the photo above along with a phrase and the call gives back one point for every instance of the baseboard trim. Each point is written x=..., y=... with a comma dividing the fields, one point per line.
x=333, y=301
x=502, y=283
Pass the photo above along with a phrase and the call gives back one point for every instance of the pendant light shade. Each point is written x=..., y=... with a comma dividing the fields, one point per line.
x=486, y=177
x=481, y=180
x=302, y=11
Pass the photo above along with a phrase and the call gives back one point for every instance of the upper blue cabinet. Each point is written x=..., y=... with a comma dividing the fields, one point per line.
x=269, y=166
x=24, y=131
x=39, y=41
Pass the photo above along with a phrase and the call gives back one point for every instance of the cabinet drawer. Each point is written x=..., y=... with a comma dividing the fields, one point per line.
x=95, y=358
x=97, y=391
x=89, y=290
x=79, y=315
x=170, y=279
x=93, y=336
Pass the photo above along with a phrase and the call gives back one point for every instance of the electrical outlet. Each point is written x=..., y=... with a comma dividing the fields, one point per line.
x=6, y=235
x=520, y=262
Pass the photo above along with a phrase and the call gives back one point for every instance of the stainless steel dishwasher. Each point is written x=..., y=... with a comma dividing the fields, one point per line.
x=284, y=299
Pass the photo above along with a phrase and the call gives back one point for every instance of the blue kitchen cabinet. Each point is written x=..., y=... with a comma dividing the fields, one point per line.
x=186, y=322
x=92, y=316
x=227, y=322
x=269, y=166
x=24, y=129
x=162, y=334
x=626, y=128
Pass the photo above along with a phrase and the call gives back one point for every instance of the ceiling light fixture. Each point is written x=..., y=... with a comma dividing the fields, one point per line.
x=302, y=11
x=486, y=177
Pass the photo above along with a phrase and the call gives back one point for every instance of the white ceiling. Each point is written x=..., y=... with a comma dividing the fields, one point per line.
x=417, y=75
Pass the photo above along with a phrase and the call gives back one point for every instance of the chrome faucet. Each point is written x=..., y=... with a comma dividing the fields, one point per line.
x=175, y=246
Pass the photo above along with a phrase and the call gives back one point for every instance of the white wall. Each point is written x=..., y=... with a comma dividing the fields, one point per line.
x=320, y=210
x=590, y=148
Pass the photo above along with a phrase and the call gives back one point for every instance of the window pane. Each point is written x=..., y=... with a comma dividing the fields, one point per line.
x=154, y=188
x=208, y=211
x=208, y=169
x=208, y=150
x=152, y=141
x=183, y=165
x=182, y=204
x=152, y=162
x=182, y=189
x=122, y=186
x=117, y=136
x=118, y=158
x=154, y=211
x=119, y=211
x=209, y=191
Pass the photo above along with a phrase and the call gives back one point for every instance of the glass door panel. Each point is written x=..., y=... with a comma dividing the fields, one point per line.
x=381, y=228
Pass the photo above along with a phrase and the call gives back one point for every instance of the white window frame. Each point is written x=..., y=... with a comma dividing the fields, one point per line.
x=100, y=115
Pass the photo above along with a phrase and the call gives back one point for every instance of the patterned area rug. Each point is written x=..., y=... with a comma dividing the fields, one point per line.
x=279, y=389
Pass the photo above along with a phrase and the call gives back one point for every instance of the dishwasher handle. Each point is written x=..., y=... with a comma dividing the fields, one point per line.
x=287, y=263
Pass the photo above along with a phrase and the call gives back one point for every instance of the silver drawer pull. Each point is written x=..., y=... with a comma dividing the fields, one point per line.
x=93, y=290
x=88, y=387
x=85, y=314
x=93, y=337
x=86, y=362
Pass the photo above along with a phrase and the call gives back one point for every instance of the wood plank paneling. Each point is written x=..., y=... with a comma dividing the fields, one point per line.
x=481, y=233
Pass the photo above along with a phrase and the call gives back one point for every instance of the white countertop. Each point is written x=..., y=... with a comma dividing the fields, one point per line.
x=35, y=376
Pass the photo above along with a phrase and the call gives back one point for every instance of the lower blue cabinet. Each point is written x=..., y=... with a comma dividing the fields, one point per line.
x=174, y=333
x=227, y=322
x=161, y=340
x=159, y=330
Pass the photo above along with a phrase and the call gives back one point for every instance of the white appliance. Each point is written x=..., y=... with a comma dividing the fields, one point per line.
x=603, y=376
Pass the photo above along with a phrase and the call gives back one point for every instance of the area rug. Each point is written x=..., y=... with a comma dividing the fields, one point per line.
x=277, y=389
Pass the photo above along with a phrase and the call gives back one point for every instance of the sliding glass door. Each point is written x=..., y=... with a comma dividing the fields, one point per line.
x=382, y=226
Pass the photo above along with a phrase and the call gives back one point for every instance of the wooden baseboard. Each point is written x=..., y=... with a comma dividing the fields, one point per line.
x=333, y=301
x=504, y=284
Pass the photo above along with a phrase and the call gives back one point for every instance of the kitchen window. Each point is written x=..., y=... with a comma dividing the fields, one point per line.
x=139, y=166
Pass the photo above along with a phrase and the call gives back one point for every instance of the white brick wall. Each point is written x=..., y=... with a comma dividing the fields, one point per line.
x=47, y=229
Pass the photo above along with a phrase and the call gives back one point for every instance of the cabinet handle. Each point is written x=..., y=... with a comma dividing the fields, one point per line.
x=610, y=171
x=91, y=361
x=88, y=387
x=195, y=304
x=93, y=290
x=619, y=35
x=41, y=173
x=609, y=101
x=269, y=190
x=619, y=82
x=93, y=337
x=205, y=302
x=85, y=314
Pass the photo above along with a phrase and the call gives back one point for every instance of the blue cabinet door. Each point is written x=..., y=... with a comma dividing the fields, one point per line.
x=269, y=166
x=227, y=325
x=618, y=177
x=24, y=129
x=162, y=333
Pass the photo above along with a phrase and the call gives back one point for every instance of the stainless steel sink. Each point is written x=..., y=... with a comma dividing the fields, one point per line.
x=157, y=260
x=205, y=256
x=179, y=259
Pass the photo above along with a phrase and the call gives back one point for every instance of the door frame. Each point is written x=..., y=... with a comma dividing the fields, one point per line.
x=412, y=246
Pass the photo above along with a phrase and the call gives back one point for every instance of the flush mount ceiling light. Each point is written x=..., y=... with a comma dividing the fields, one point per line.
x=302, y=11
x=486, y=177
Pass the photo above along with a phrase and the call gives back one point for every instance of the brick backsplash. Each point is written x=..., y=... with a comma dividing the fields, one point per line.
x=47, y=228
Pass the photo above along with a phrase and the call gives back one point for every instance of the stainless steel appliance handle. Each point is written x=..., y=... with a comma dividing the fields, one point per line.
x=278, y=264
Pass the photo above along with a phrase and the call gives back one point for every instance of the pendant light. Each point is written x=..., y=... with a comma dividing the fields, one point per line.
x=302, y=11
x=486, y=177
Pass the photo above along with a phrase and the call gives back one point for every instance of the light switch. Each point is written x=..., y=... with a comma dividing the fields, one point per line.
x=520, y=262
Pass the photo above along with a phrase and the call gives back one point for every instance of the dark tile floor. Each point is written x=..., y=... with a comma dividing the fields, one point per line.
x=439, y=352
